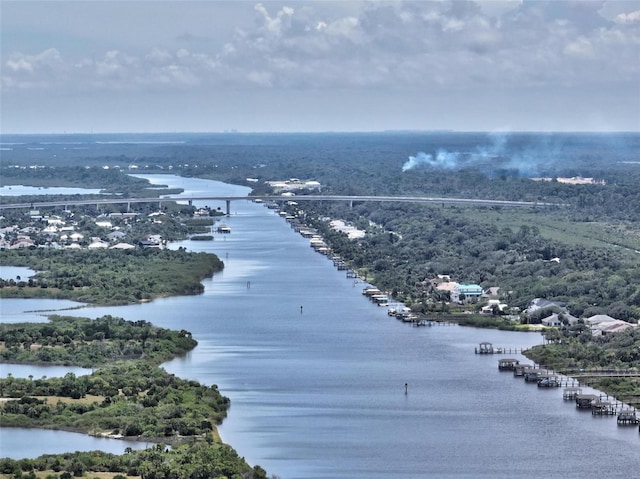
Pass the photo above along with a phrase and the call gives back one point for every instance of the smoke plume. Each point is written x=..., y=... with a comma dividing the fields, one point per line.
x=498, y=155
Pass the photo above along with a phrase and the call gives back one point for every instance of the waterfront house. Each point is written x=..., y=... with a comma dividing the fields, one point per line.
x=494, y=306
x=557, y=320
x=552, y=320
x=463, y=293
x=602, y=324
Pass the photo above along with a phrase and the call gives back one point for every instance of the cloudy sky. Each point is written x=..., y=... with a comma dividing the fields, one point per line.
x=154, y=66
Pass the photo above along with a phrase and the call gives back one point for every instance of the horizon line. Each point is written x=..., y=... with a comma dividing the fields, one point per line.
x=319, y=132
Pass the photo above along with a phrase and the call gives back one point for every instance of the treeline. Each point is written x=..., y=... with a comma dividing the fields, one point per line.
x=406, y=246
x=88, y=343
x=108, y=180
x=126, y=399
x=372, y=163
x=189, y=461
x=105, y=276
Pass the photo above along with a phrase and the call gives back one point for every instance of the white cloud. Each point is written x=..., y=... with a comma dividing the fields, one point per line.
x=581, y=47
x=398, y=44
x=275, y=24
x=45, y=60
x=632, y=17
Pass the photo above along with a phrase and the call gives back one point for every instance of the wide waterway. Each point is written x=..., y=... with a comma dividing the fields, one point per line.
x=316, y=372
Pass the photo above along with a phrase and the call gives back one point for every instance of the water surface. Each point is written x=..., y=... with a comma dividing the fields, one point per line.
x=319, y=393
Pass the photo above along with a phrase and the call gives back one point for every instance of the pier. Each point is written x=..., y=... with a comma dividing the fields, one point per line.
x=600, y=405
x=488, y=348
x=627, y=417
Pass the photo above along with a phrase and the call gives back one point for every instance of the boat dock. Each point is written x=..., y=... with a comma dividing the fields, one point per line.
x=600, y=405
x=488, y=348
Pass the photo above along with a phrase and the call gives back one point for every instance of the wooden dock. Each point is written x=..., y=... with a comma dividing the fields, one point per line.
x=602, y=372
x=627, y=417
x=488, y=348
x=600, y=405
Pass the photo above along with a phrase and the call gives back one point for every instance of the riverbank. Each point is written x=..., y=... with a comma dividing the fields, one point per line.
x=339, y=368
x=129, y=399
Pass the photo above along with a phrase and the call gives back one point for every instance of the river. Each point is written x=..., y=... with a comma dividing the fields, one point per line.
x=316, y=373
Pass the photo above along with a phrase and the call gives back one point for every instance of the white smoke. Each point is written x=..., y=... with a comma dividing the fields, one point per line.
x=492, y=157
x=443, y=159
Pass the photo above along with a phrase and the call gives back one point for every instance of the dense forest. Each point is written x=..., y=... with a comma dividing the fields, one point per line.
x=186, y=461
x=89, y=342
x=406, y=246
x=105, y=276
x=127, y=395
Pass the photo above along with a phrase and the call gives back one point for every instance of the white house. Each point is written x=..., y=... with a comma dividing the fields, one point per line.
x=559, y=319
x=602, y=324
x=462, y=293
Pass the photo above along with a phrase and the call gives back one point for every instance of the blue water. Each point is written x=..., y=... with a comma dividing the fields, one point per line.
x=29, y=443
x=18, y=273
x=319, y=393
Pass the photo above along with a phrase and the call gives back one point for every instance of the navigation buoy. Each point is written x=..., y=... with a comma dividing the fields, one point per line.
x=300, y=309
x=406, y=388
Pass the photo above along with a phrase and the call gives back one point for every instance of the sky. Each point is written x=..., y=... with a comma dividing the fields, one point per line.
x=307, y=66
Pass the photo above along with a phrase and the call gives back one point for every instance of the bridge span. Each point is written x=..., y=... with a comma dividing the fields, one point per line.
x=272, y=198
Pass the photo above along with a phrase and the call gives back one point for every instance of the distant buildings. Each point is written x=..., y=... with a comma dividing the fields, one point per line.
x=558, y=316
x=602, y=324
x=293, y=184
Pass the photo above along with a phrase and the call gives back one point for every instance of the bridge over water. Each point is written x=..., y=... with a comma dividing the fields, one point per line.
x=272, y=198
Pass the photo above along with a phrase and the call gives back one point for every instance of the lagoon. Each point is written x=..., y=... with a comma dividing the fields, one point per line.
x=20, y=442
x=16, y=273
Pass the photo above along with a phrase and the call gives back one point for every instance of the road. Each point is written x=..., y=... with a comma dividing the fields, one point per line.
x=270, y=198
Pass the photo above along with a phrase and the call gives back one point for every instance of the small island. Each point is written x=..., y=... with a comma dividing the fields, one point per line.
x=107, y=276
x=128, y=396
